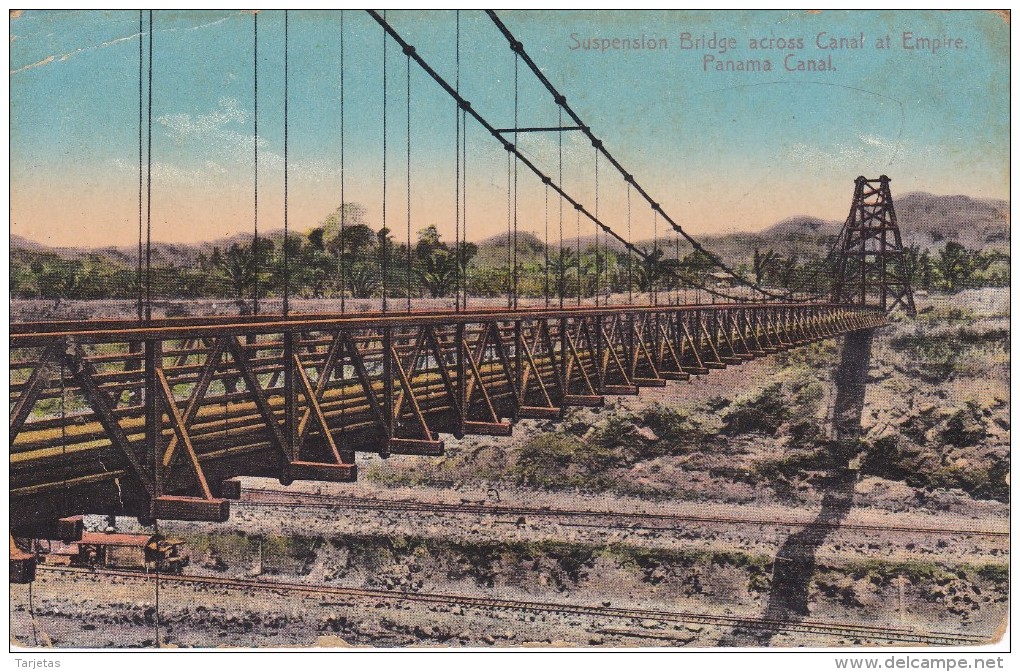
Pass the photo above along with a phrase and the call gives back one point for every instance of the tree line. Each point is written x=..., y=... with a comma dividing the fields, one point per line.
x=344, y=256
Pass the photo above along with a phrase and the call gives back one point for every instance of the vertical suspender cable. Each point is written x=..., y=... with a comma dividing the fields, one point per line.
x=343, y=242
x=562, y=264
x=517, y=61
x=655, y=257
x=409, y=258
x=31, y=615
x=598, y=261
x=630, y=255
x=156, y=568
x=464, y=207
x=456, y=198
x=384, y=232
x=509, y=234
x=141, y=61
x=676, y=265
x=255, y=240
x=343, y=178
x=286, y=185
x=63, y=426
x=578, y=260
x=546, y=246
x=148, y=196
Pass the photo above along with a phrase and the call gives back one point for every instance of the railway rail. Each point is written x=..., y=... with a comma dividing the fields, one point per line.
x=606, y=519
x=873, y=633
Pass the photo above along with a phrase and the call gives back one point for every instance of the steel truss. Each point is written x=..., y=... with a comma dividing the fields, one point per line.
x=870, y=269
x=152, y=420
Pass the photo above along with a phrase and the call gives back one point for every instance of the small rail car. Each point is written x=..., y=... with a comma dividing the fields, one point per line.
x=112, y=550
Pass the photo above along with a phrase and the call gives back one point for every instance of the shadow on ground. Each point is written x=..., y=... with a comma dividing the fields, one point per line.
x=794, y=564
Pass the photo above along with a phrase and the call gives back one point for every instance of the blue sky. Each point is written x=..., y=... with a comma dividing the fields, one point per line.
x=720, y=150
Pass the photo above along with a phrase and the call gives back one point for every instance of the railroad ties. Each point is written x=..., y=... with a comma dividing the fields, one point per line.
x=153, y=420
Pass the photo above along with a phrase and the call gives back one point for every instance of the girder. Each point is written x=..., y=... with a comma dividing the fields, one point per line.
x=150, y=420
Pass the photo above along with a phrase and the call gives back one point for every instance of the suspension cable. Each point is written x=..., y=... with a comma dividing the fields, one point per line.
x=468, y=109
x=343, y=177
x=255, y=240
x=286, y=127
x=561, y=102
x=141, y=60
x=409, y=259
x=148, y=196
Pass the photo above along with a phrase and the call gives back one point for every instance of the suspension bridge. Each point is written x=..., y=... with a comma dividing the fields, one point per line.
x=156, y=417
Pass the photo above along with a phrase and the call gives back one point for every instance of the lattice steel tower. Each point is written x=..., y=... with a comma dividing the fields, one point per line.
x=870, y=269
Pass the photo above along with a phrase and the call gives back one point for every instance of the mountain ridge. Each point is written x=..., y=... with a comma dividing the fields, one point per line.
x=926, y=220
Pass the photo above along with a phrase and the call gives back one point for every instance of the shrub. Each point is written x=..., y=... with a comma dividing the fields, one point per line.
x=762, y=413
x=565, y=461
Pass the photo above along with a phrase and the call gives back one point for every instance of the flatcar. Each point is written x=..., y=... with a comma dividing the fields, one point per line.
x=113, y=550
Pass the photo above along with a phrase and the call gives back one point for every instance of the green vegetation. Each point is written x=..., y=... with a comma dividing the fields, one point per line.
x=937, y=353
x=886, y=460
x=796, y=400
x=342, y=255
x=954, y=267
x=950, y=268
x=563, y=460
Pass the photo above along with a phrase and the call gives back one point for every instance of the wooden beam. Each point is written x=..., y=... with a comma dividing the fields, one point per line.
x=100, y=403
x=33, y=388
x=315, y=409
x=182, y=432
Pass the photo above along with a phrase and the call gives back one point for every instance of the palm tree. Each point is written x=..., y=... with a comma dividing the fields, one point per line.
x=363, y=281
x=237, y=268
x=763, y=264
x=437, y=272
x=562, y=265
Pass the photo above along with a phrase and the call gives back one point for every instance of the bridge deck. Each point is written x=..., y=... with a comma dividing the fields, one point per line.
x=150, y=419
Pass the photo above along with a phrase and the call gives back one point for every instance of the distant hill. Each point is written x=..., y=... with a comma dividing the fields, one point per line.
x=181, y=255
x=926, y=220
x=802, y=226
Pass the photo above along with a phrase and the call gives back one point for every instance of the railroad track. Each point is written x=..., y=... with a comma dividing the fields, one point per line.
x=629, y=520
x=852, y=630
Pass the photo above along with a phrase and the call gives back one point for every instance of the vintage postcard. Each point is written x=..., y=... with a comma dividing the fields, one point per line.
x=507, y=329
